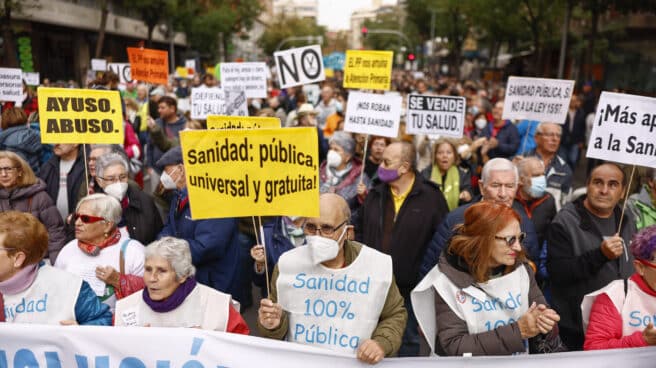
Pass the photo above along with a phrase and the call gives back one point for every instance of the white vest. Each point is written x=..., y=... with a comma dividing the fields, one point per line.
x=333, y=308
x=484, y=307
x=636, y=307
x=204, y=307
x=50, y=299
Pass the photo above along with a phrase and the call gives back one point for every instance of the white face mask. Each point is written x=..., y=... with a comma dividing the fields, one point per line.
x=464, y=151
x=480, y=123
x=117, y=190
x=167, y=180
x=323, y=249
x=333, y=159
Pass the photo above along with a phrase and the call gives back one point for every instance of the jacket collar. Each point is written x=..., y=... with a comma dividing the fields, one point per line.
x=586, y=223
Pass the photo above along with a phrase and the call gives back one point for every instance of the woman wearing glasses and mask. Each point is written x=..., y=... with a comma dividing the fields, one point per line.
x=139, y=215
x=482, y=297
x=21, y=190
x=101, y=254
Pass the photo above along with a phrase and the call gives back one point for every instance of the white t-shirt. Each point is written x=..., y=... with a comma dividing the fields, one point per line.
x=62, y=194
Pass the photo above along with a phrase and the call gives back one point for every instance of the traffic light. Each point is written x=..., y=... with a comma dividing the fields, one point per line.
x=364, y=31
x=411, y=57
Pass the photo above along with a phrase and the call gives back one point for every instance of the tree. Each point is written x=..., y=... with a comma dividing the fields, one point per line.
x=151, y=11
x=104, y=13
x=8, y=9
x=285, y=27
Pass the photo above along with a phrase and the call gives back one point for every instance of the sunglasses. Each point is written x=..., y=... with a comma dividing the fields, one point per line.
x=87, y=219
x=647, y=263
x=511, y=239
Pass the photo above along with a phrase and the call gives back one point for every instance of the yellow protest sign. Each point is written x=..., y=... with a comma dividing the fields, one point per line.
x=80, y=116
x=181, y=71
x=329, y=73
x=241, y=122
x=257, y=172
x=368, y=69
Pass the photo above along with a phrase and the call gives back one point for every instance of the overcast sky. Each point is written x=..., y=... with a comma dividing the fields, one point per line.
x=336, y=14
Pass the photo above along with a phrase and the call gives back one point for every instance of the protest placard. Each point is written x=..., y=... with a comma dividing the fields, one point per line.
x=80, y=116
x=122, y=70
x=249, y=77
x=443, y=115
x=181, y=72
x=149, y=65
x=255, y=172
x=31, y=78
x=242, y=122
x=98, y=65
x=624, y=130
x=190, y=64
x=302, y=65
x=312, y=93
x=370, y=113
x=207, y=101
x=236, y=103
x=11, y=84
x=537, y=99
x=368, y=69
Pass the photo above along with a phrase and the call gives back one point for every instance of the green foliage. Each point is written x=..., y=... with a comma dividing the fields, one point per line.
x=285, y=27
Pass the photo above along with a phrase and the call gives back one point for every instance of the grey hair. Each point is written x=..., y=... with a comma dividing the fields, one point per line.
x=176, y=252
x=344, y=140
x=544, y=123
x=110, y=159
x=103, y=206
x=524, y=165
x=499, y=164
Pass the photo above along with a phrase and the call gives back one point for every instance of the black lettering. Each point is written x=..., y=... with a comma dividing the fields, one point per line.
x=284, y=65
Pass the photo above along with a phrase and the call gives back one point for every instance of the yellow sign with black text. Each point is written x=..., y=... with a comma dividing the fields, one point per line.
x=80, y=116
x=241, y=122
x=254, y=172
x=366, y=69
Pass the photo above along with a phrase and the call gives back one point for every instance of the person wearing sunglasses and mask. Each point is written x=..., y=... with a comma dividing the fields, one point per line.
x=101, y=254
x=53, y=296
x=139, y=215
x=482, y=298
x=335, y=293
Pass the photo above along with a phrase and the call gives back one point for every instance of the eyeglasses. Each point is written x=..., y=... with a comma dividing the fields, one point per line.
x=7, y=170
x=114, y=179
x=7, y=249
x=87, y=219
x=549, y=135
x=511, y=239
x=325, y=230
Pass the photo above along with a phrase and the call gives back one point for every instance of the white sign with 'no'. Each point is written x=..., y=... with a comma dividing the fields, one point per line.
x=303, y=65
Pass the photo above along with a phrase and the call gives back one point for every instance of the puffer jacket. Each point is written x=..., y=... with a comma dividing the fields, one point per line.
x=23, y=141
x=34, y=199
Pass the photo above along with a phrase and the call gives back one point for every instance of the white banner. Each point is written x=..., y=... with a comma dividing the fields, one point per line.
x=236, y=103
x=207, y=101
x=371, y=113
x=41, y=346
x=11, y=84
x=99, y=65
x=249, y=77
x=123, y=70
x=31, y=78
x=624, y=130
x=443, y=115
x=538, y=99
x=302, y=65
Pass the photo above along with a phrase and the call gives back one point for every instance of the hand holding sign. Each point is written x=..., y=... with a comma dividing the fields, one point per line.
x=370, y=352
x=269, y=314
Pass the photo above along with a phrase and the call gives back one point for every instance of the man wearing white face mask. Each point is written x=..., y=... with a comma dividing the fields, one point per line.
x=533, y=199
x=140, y=217
x=335, y=293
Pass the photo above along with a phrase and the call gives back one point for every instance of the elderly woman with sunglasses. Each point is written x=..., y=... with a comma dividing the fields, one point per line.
x=101, y=254
x=482, y=298
x=623, y=314
x=32, y=291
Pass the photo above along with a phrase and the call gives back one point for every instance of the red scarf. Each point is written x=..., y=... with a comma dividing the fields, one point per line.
x=2, y=308
x=94, y=250
x=643, y=284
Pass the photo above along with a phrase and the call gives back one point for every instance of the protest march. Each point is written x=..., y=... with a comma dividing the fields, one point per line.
x=386, y=198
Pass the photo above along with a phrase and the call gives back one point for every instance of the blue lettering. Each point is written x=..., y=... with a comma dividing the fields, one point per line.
x=3, y=359
x=298, y=330
x=101, y=361
x=635, y=315
x=478, y=305
x=25, y=358
x=299, y=277
x=52, y=359
x=131, y=362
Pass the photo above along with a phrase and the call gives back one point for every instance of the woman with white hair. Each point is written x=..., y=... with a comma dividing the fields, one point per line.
x=341, y=171
x=99, y=250
x=173, y=298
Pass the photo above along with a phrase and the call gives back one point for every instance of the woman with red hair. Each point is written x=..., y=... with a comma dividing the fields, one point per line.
x=481, y=297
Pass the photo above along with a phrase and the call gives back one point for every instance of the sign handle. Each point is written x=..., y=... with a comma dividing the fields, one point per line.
x=266, y=264
x=528, y=131
x=364, y=157
x=86, y=167
x=626, y=197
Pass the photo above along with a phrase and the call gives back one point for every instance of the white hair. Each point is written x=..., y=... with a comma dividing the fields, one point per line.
x=103, y=206
x=176, y=252
x=110, y=159
x=545, y=123
x=499, y=164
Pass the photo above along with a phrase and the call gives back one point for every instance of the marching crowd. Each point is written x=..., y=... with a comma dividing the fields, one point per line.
x=478, y=245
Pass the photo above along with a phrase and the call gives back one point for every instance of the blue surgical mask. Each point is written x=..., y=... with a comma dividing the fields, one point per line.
x=538, y=186
x=338, y=107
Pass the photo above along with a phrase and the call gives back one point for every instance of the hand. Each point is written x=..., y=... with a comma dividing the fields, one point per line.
x=492, y=142
x=517, y=158
x=370, y=352
x=257, y=253
x=612, y=247
x=68, y=322
x=269, y=314
x=151, y=122
x=361, y=189
x=465, y=196
x=108, y=275
x=649, y=334
x=477, y=143
x=547, y=319
x=528, y=322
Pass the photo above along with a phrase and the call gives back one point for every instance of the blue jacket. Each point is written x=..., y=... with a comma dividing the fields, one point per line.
x=508, y=138
x=214, y=246
x=457, y=216
x=276, y=244
x=23, y=141
x=89, y=310
x=527, y=141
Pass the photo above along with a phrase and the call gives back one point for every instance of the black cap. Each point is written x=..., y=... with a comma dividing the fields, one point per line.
x=171, y=157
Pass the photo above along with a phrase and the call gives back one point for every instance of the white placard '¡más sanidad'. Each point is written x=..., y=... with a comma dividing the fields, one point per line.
x=11, y=84
x=443, y=115
x=302, y=65
x=249, y=77
x=207, y=101
x=370, y=113
x=537, y=99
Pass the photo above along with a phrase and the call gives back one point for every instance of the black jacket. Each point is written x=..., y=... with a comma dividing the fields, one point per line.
x=142, y=217
x=421, y=213
x=577, y=134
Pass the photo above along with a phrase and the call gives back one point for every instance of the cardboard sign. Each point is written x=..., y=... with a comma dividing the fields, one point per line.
x=31, y=78
x=624, y=130
x=149, y=65
x=302, y=65
x=11, y=84
x=207, y=101
x=257, y=172
x=368, y=69
x=236, y=103
x=443, y=115
x=242, y=122
x=537, y=99
x=98, y=65
x=374, y=114
x=122, y=70
x=249, y=77
x=80, y=116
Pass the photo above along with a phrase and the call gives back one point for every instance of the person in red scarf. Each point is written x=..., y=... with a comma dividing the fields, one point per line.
x=621, y=315
x=101, y=254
